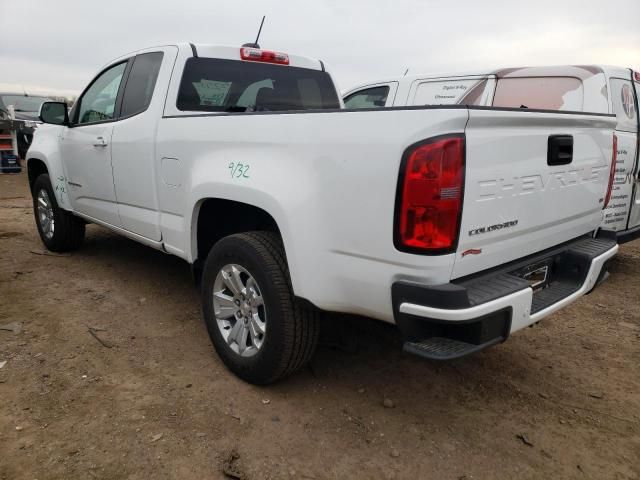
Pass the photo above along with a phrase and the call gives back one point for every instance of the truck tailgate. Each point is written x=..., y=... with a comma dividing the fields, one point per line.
x=518, y=199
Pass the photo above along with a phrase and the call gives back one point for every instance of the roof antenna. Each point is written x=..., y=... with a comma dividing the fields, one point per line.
x=405, y=72
x=255, y=44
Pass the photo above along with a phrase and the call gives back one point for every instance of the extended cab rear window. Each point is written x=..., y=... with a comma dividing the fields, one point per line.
x=544, y=93
x=216, y=85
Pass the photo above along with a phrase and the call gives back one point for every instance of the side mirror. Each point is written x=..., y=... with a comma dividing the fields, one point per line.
x=55, y=113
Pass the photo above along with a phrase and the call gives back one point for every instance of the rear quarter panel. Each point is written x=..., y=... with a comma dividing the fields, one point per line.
x=328, y=179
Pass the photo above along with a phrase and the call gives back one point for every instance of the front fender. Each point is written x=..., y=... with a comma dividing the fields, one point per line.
x=46, y=148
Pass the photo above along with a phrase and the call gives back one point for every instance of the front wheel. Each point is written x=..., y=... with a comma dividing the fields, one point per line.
x=59, y=230
x=258, y=328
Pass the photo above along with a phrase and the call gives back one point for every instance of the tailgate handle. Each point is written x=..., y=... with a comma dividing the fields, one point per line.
x=560, y=150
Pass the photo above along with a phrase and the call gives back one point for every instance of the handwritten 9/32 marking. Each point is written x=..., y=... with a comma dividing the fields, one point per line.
x=239, y=170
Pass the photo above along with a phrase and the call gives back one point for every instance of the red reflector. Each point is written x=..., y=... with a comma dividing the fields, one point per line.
x=432, y=176
x=257, y=55
x=612, y=172
x=636, y=75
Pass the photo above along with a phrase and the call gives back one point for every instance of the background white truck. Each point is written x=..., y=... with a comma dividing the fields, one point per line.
x=461, y=225
x=585, y=88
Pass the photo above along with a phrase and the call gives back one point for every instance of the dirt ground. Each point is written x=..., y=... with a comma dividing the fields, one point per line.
x=153, y=401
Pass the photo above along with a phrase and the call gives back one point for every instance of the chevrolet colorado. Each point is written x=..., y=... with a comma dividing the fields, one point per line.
x=461, y=225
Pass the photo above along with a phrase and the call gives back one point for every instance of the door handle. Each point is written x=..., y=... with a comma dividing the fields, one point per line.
x=559, y=150
x=100, y=142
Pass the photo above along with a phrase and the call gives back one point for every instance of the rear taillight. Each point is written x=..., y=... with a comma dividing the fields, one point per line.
x=612, y=172
x=430, y=191
x=257, y=55
x=636, y=75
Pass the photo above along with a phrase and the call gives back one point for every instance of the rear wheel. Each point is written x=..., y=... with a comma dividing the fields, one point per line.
x=258, y=328
x=59, y=230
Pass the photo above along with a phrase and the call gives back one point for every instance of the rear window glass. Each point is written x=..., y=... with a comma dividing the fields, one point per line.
x=216, y=85
x=23, y=103
x=369, y=98
x=544, y=93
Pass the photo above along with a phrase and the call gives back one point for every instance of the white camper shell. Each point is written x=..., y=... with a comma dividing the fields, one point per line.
x=579, y=88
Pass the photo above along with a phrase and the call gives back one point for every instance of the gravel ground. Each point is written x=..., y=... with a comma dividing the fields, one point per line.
x=147, y=397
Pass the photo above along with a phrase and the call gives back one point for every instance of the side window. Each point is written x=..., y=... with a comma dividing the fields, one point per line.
x=369, y=98
x=140, y=83
x=545, y=93
x=624, y=104
x=99, y=102
x=464, y=91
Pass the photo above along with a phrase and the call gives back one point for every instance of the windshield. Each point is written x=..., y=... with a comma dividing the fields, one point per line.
x=24, y=104
x=216, y=85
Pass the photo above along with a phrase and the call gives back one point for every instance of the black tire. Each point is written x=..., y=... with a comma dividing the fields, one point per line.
x=68, y=232
x=292, y=329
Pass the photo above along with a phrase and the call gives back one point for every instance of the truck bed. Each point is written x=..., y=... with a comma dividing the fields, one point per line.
x=330, y=178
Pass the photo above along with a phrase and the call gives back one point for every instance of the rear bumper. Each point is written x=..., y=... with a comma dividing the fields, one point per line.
x=628, y=235
x=484, y=309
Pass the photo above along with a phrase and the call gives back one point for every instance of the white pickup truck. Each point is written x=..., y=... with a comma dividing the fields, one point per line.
x=461, y=225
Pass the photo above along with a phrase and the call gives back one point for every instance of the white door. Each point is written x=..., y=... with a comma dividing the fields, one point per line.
x=616, y=215
x=135, y=170
x=86, y=148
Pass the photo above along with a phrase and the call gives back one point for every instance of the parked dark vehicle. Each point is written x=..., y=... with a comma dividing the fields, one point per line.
x=27, y=108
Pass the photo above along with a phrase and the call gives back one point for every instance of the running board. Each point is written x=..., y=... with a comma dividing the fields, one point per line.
x=443, y=349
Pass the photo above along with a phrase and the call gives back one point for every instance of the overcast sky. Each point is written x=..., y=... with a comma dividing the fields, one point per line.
x=57, y=46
